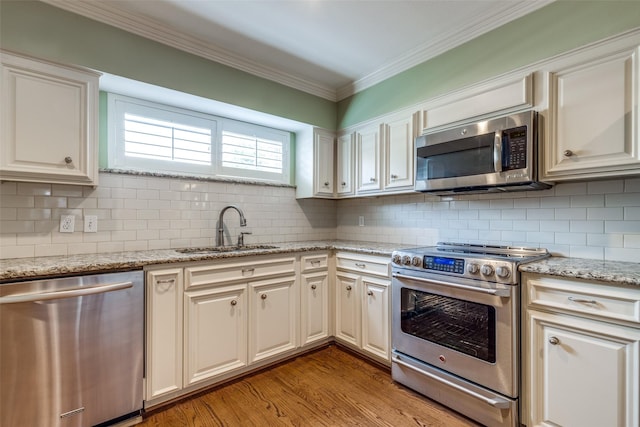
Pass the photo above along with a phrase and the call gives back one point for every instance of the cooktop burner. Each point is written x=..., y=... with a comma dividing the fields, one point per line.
x=473, y=261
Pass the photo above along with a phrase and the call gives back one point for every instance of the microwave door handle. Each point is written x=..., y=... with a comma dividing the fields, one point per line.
x=497, y=152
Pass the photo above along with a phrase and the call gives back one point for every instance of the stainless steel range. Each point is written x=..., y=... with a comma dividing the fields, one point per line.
x=455, y=326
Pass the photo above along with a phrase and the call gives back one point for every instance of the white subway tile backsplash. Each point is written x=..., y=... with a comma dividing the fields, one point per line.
x=599, y=220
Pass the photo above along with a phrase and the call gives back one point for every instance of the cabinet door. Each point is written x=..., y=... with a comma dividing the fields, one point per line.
x=272, y=321
x=348, y=308
x=375, y=317
x=593, y=118
x=323, y=163
x=215, y=332
x=163, y=332
x=368, y=155
x=315, y=307
x=48, y=121
x=344, y=163
x=582, y=372
x=399, y=138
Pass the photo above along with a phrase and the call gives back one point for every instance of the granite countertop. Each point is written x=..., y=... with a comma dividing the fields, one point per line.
x=40, y=267
x=613, y=272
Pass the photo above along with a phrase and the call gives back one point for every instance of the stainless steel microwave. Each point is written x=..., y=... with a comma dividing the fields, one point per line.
x=493, y=155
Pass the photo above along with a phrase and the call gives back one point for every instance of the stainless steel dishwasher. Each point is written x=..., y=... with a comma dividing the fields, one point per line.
x=71, y=350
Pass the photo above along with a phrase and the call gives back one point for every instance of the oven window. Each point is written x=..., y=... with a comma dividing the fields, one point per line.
x=464, y=326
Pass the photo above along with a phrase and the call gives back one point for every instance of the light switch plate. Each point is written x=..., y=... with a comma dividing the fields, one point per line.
x=90, y=223
x=67, y=223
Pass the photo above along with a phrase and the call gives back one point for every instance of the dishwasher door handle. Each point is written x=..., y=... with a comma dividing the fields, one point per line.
x=69, y=293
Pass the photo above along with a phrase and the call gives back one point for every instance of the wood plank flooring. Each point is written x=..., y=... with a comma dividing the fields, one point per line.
x=328, y=387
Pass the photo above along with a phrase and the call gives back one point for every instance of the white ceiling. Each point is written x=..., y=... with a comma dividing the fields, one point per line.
x=330, y=48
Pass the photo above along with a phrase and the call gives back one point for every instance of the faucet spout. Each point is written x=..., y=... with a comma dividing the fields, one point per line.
x=220, y=231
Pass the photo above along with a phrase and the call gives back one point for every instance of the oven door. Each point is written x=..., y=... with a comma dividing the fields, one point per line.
x=465, y=327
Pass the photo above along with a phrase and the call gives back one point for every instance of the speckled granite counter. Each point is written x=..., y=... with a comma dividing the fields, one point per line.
x=33, y=268
x=614, y=272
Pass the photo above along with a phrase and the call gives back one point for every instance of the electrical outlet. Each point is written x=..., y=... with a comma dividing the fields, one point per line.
x=90, y=223
x=67, y=223
x=361, y=221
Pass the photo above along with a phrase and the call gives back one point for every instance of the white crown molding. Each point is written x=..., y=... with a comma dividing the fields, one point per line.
x=107, y=13
x=161, y=33
x=445, y=42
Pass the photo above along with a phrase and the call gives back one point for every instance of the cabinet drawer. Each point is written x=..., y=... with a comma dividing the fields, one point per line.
x=314, y=262
x=245, y=270
x=363, y=264
x=590, y=299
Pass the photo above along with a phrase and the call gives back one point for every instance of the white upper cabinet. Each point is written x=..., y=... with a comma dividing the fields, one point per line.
x=368, y=159
x=49, y=122
x=323, y=147
x=344, y=165
x=398, y=140
x=592, y=123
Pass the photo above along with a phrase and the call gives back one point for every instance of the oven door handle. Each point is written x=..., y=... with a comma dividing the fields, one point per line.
x=496, y=402
x=495, y=292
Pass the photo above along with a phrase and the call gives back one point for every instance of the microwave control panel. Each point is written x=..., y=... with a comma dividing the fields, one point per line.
x=514, y=148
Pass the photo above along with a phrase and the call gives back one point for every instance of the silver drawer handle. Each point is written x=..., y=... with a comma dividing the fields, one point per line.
x=554, y=341
x=248, y=270
x=582, y=300
x=361, y=265
x=163, y=281
x=496, y=402
x=315, y=262
x=496, y=292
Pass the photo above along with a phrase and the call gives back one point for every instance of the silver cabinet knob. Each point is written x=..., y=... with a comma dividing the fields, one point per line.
x=394, y=176
x=372, y=179
x=369, y=293
x=554, y=341
x=326, y=184
x=568, y=153
x=234, y=302
x=348, y=287
x=68, y=160
x=263, y=296
x=344, y=184
x=313, y=287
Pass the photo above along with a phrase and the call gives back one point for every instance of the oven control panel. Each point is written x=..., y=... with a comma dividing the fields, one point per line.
x=450, y=265
x=479, y=268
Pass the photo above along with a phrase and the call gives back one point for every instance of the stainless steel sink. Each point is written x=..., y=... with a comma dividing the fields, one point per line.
x=217, y=249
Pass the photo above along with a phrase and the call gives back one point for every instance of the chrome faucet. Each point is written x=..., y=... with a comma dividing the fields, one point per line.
x=220, y=234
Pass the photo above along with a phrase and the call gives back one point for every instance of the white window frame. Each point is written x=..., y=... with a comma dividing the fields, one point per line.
x=118, y=105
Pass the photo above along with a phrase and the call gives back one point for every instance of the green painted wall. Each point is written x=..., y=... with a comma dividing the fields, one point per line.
x=556, y=28
x=48, y=32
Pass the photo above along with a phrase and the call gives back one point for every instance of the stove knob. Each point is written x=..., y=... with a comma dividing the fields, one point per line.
x=406, y=260
x=503, y=272
x=473, y=268
x=416, y=261
x=396, y=258
x=486, y=270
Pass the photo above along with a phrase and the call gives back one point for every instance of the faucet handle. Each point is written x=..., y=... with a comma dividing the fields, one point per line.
x=241, y=237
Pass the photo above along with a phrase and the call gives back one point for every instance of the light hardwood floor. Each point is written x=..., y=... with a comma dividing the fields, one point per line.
x=328, y=387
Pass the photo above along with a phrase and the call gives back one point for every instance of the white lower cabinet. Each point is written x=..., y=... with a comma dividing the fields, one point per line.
x=215, y=332
x=314, y=299
x=272, y=318
x=362, y=312
x=582, y=354
x=163, y=333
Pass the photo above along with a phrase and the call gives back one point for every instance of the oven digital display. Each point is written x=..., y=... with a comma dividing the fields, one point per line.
x=449, y=265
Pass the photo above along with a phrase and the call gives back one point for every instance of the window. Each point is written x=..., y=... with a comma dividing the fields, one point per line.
x=158, y=138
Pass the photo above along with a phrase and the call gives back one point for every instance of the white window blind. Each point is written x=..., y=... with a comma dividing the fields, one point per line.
x=161, y=140
x=158, y=138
